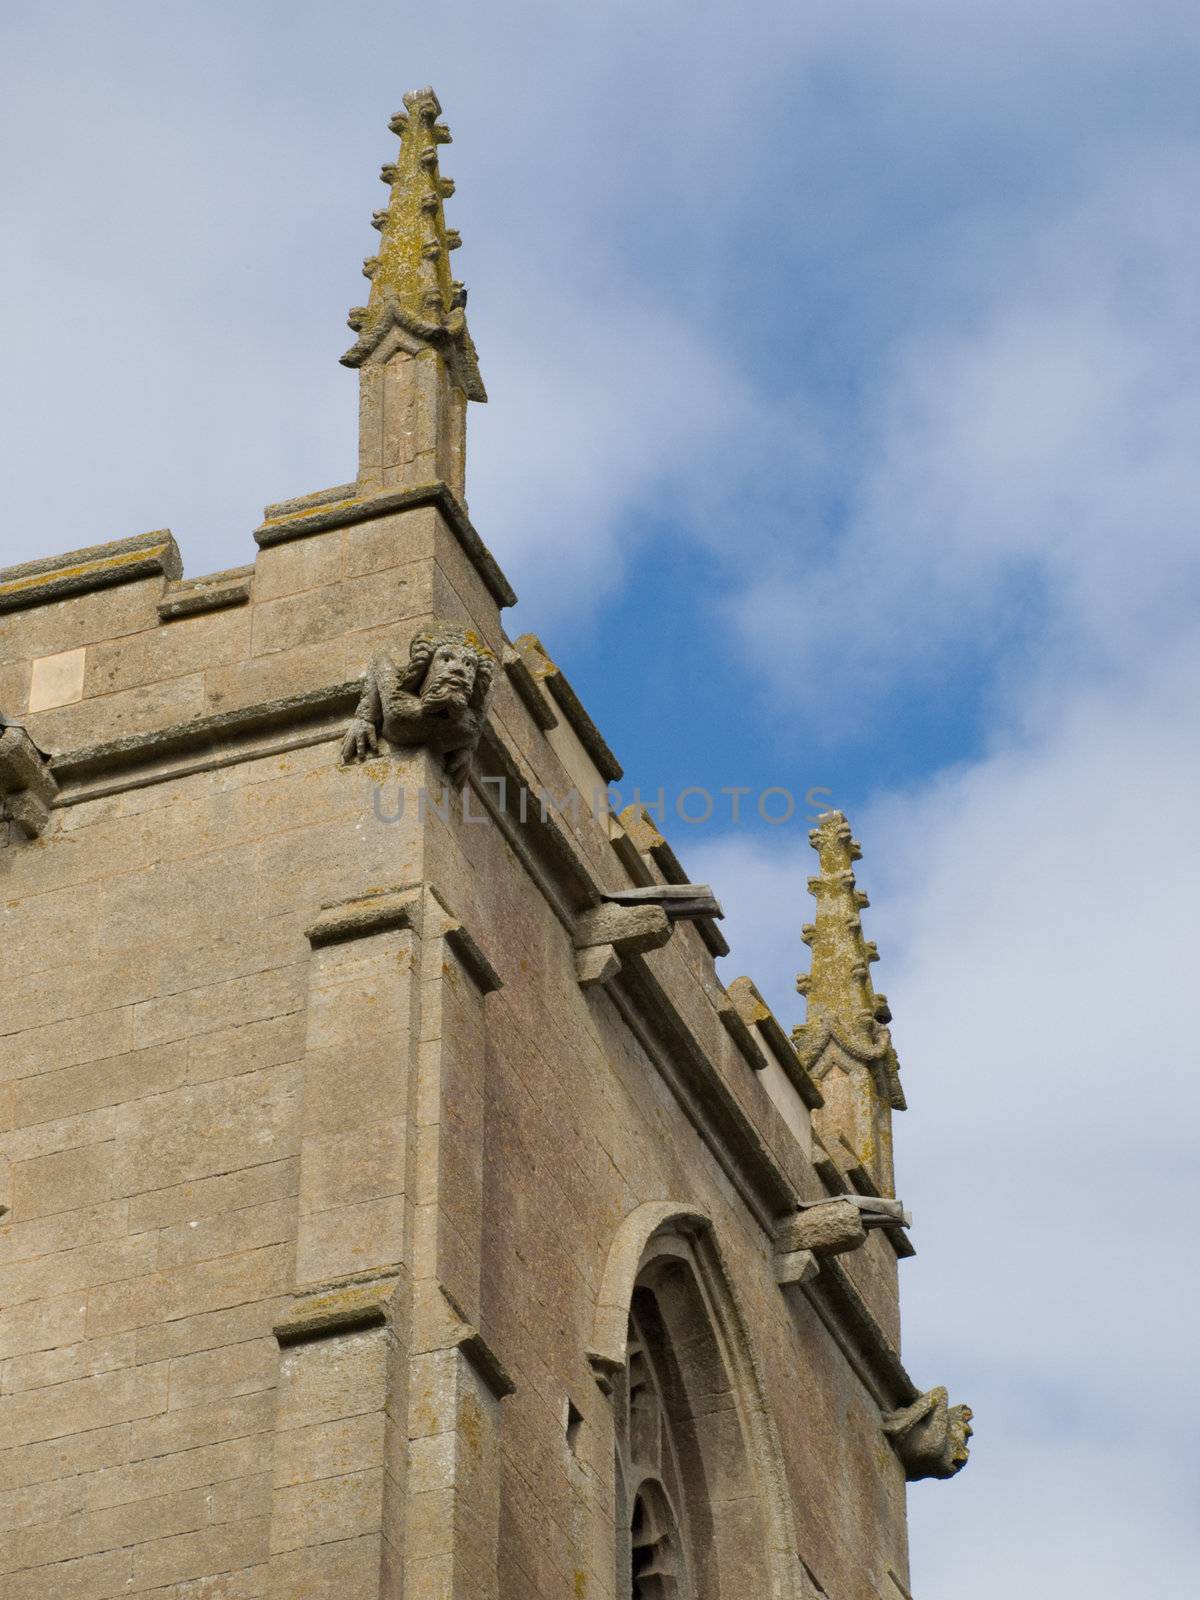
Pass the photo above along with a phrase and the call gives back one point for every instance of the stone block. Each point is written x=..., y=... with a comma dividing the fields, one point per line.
x=253, y=1185
x=208, y=1331
x=77, y=1269
x=191, y=1427
x=350, y=1239
x=84, y=1405
x=327, y=1572
x=225, y=1373
x=248, y=1584
x=338, y=609
x=298, y=565
x=229, y=1233
x=116, y=716
x=85, y=1359
x=45, y=1325
x=219, y=1005
x=98, y=1577
x=93, y=1532
x=240, y=1499
x=232, y=1460
x=208, y=1129
x=333, y=1378
x=60, y=1459
x=248, y=1047
x=352, y=1166
x=330, y=1449
x=111, y=1081
x=828, y=1229
x=56, y=680
x=626, y=929
x=62, y=1181
x=190, y=645
x=66, y=1043
x=193, y=1555
x=323, y=1510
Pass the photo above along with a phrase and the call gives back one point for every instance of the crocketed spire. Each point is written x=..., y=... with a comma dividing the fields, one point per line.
x=412, y=291
x=845, y=1027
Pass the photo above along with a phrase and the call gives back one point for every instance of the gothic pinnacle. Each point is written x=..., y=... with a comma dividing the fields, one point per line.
x=844, y=1010
x=412, y=291
x=839, y=984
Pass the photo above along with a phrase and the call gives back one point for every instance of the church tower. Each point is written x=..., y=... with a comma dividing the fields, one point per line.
x=395, y=1204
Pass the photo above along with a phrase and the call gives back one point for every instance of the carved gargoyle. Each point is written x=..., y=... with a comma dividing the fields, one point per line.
x=930, y=1436
x=439, y=699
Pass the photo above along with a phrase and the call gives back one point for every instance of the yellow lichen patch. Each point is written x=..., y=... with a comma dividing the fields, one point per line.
x=310, y=511
x=412, y=287
x=83, y=569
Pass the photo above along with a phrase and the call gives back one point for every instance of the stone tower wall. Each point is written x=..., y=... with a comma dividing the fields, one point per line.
x=393, y=1200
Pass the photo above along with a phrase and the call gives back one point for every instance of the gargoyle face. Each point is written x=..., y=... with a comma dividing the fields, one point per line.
x=450, y=680
x=959, y=1432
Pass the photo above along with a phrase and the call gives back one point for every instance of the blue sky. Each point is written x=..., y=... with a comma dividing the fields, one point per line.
x=844, y=363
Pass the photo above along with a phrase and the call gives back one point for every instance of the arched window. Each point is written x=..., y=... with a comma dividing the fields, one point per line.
x=698, y=1514
x=650, y=1486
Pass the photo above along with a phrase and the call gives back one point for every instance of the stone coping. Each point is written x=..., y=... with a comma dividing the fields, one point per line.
x=316, y=515
x=97, y=566
x=188, y=597
x=540, y=669
x=757, y=1015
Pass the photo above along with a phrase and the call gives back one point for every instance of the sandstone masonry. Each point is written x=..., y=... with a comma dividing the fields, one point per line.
x=394, y=1200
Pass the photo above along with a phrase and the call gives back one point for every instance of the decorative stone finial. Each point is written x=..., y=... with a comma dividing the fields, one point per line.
x=930, y=1436
x=845, y=1025
x=413, y=297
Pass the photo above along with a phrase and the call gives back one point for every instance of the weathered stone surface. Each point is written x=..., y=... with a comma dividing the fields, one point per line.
x=97, y=567
x=381, y=1156
x=827, y=1229
x=627, y=929
x=27, y=785
x=439, y=699
x=930, y=1436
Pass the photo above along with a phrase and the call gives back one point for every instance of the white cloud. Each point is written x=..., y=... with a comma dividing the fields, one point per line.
x=1032, y=482
x=1034, y=914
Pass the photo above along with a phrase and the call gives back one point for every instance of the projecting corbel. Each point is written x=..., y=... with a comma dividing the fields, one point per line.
x=682, y=902
x=830, y=1227
x=27, y=786
x=607, y=932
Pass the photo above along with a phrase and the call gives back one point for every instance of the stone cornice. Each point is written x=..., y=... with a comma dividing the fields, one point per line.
x=641, y=836
x=335, y=1309
x=140, y=759
x=98, y=566
x=358, y=918
x=467, y=951
x=861, y=1340
x=216, y=591
x=312, y=518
